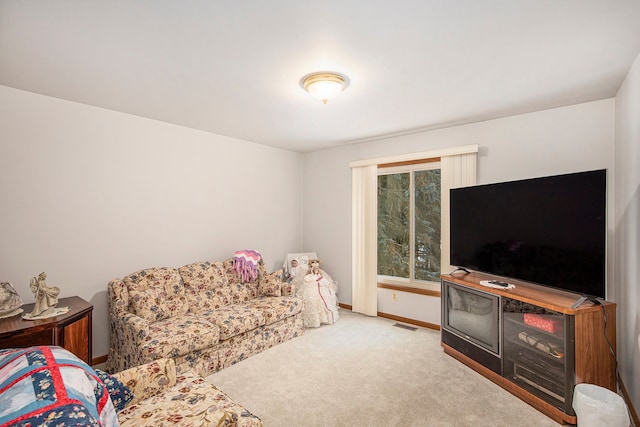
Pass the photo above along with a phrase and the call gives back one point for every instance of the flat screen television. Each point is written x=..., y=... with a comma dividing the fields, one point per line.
x=550, y=231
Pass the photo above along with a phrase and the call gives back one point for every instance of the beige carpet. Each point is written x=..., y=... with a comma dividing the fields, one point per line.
x=363, y=371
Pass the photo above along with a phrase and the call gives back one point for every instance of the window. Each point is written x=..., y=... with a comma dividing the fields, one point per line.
x=409, y=231
x=457, y=168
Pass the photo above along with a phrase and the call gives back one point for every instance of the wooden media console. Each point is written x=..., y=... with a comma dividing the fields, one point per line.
x=545, y=346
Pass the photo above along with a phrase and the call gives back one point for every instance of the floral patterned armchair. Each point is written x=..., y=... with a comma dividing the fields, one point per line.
x=163, y=397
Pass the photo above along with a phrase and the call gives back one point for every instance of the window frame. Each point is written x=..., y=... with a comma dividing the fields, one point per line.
x=411, y=167
x=458, y=168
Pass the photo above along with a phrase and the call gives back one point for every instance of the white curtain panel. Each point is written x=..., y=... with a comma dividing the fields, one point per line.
x=364, y=286
x=456, y=171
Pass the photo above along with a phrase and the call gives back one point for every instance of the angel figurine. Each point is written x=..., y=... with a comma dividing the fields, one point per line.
x=10, y=301
x=46, y=296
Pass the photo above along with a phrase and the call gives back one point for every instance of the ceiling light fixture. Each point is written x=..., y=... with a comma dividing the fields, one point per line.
x=325, y=85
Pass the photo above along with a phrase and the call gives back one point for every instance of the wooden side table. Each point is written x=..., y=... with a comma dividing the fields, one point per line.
x=71, y=330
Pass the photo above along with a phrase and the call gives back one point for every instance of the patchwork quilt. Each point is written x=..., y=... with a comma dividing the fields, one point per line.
x=50, y=386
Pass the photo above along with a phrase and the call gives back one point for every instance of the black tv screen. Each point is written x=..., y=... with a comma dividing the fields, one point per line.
x=550, y=231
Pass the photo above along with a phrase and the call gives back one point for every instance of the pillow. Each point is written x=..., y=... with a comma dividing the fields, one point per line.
x=119, y=393
x=50, y=385
x=156, y=293
x=270, y=284
x=206, y=286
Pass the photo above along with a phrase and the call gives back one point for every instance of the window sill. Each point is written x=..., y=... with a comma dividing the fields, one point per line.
x=426, y=288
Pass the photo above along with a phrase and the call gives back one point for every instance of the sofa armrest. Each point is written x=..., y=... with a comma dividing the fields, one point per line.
x=149, y=379
x=127, y=335
x=134, y=327
x=127, y=330
x=125, y=325
x=118, y=296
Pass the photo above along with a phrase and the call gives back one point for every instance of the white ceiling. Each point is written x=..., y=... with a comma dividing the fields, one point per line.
x=233, y=67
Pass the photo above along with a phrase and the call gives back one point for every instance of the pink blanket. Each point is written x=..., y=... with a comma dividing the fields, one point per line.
x=245, y=264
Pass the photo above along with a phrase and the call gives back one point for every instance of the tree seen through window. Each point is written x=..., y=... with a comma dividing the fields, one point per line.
x=409, y=225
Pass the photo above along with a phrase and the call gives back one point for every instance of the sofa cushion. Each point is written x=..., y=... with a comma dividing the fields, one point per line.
x=240, y=292
x=192, y=401
x=177, y=336
x=206, y=286
x=234, y=319
x=270, y=284
x=156, y=293
x=276, y=309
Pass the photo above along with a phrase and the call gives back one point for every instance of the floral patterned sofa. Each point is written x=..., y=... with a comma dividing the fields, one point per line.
x=162, y=397
x=201, y=315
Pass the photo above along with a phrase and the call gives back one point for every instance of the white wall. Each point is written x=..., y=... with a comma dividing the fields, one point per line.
x=562, y=140
x=423, y=308
x=89, y=194
x=627, y=230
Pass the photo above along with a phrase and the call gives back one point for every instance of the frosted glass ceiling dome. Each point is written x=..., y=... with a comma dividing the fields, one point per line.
x=325, y=85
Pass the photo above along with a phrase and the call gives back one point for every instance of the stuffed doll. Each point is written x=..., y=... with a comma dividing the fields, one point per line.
x=319, y=293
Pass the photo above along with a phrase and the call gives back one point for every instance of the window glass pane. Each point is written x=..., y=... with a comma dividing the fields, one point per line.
x=427, y=225
x=393, y=225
